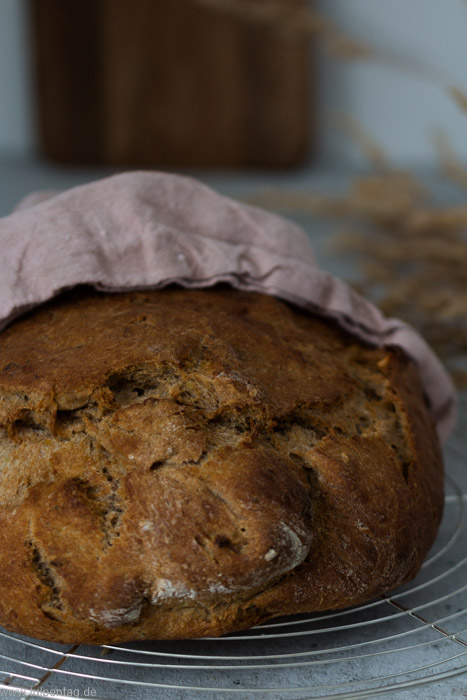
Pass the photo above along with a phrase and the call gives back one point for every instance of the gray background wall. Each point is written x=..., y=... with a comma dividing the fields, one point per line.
x=16, y=120
x=400, y=109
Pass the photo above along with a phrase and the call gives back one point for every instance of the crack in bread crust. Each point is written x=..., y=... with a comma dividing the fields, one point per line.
x=187, y=463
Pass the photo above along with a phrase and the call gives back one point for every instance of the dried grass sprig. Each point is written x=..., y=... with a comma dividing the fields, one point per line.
x=373, y=151
x=459, y=97
x=451, y=166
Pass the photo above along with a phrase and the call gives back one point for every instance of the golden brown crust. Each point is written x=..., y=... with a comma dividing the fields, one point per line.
x=186, y=463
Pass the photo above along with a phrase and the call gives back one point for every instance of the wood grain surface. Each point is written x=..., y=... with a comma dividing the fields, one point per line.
x=168, y=83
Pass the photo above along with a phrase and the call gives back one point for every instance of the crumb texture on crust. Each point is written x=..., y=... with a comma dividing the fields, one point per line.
x=184, y=463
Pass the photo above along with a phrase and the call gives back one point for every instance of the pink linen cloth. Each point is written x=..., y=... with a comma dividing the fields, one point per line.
x=143, y=230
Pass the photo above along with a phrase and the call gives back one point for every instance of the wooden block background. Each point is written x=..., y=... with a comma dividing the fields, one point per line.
x=168, y=83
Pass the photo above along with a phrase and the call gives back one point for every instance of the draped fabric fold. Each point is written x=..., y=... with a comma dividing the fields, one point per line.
x=143, y=230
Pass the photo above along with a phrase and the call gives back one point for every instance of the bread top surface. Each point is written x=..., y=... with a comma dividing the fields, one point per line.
x=201, y=445
x=80, y=342
x=256, y=353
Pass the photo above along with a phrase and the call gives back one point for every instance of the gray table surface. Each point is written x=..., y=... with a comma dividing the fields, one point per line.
x=19, y=177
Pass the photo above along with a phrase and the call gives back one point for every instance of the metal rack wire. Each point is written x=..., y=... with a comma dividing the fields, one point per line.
x=417, y=635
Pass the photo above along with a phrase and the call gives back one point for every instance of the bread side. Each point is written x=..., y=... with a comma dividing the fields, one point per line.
x=186, y=463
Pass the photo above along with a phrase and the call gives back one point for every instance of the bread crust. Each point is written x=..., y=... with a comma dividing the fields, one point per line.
x=188, y=463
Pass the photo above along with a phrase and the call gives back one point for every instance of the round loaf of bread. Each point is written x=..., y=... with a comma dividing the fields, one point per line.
x=186, y=463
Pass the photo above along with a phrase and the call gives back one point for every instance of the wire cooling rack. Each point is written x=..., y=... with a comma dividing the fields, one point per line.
x=416, y=636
